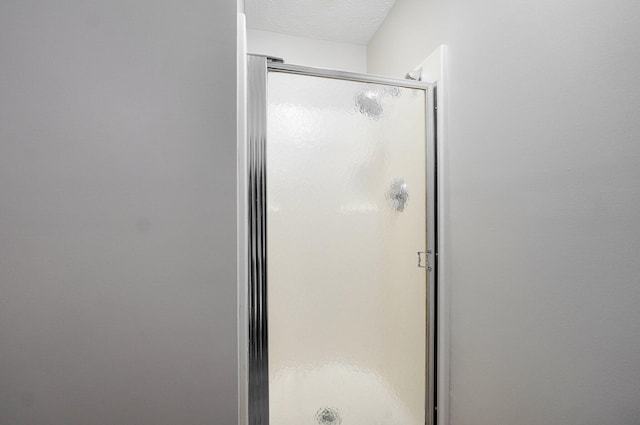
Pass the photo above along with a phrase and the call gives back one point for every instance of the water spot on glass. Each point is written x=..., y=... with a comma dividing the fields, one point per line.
x=393, y=91
x=398, y=195
x=328, y=416
x=368, y=104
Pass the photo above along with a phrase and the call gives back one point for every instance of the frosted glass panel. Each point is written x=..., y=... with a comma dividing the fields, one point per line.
x=346, y=216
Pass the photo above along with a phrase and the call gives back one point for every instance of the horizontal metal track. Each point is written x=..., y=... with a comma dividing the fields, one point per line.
x=343, y=75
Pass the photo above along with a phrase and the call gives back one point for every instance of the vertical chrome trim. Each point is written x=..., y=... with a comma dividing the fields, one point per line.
x=431, y=246
x=242, y=223
x=257, y=216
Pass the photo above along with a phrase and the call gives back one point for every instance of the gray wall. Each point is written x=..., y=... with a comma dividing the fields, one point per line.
x=118, y=212
x=544, y=202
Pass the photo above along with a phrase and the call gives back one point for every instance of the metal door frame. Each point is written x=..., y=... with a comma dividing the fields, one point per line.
x=258, y=68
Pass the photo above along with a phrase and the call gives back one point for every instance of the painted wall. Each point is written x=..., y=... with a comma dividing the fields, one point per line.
x=117, y=224
x=544, y=199
x=308, y=51
x=412, y=30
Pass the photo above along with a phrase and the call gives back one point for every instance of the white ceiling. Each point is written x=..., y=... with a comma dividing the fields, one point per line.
x=346, y=21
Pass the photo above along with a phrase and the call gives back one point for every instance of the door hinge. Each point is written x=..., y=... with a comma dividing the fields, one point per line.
x=423, y=259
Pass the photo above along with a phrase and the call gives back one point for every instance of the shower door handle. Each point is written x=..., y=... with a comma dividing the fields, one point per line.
x=423, y=259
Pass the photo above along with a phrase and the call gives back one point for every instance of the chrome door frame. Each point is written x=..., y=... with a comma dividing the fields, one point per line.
x=258, y=68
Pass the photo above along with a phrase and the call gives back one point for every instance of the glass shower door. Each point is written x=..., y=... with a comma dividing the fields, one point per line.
x=346, y=216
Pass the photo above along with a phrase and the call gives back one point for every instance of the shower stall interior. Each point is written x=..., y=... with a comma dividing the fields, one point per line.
x=342, y=254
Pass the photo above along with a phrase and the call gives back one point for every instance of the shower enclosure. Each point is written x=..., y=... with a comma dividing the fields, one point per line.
x=341, y=250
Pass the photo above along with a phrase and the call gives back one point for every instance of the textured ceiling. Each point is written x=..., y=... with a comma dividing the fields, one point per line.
x=347, y=21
